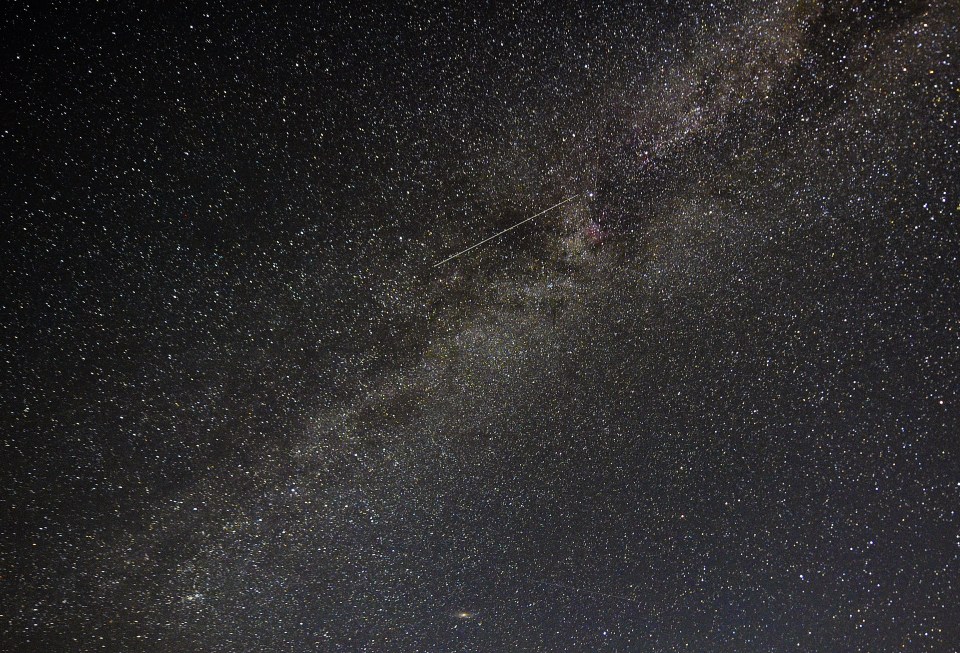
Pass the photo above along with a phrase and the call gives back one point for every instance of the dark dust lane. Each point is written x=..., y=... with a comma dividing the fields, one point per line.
x=710, y=404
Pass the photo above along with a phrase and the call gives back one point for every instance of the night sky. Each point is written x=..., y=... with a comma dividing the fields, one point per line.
x=709, y=403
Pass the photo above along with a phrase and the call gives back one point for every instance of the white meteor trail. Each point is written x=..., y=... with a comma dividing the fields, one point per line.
x=500, y=233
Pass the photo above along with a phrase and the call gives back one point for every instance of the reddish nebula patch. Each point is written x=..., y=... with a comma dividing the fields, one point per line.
x=594, y=233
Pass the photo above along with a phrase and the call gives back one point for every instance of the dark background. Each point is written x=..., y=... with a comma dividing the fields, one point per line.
x=708, y=404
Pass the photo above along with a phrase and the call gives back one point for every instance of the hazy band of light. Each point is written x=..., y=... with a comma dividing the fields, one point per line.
x=500, y=233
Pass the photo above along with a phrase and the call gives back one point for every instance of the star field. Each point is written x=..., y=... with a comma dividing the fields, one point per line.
x=709, y=404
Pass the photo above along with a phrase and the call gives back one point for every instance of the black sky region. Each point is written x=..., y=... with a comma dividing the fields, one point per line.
x=708, y=404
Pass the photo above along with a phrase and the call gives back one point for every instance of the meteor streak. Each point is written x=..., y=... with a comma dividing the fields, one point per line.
x=500, y=233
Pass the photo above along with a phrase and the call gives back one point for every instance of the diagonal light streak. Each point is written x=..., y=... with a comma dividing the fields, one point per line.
x=511, y=228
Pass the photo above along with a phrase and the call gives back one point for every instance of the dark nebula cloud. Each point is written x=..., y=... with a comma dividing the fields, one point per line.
x=709, y=404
